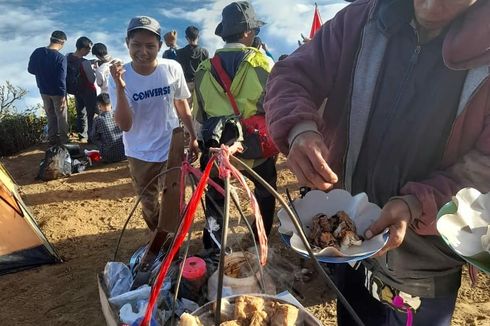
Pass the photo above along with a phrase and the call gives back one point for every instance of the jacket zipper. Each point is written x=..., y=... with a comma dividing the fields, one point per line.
x=412, y=62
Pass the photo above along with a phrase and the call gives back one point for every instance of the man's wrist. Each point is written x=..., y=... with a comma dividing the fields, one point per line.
x=300, y=128
x=413, y=205
x=302, y=133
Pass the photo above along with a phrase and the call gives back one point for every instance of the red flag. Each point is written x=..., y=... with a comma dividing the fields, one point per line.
x=317, y=22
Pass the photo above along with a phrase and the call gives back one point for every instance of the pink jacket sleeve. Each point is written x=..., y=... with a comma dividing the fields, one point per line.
x=471, y=170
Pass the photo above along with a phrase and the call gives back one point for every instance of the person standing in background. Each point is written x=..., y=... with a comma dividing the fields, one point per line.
x=171, y=41
x=80, y=82
x=49, y=67
x=191, y=56
x=102, y=71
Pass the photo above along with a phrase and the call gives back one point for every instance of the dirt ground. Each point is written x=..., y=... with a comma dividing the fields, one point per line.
x=82, y=216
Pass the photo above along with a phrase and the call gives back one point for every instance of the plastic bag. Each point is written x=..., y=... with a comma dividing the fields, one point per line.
x=141, y=293
x=118, y=278
x=56, y=164
x=132, y=316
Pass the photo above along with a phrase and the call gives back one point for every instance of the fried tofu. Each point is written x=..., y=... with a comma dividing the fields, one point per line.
x=245, y=306
x=189, y=320
x=284, y=315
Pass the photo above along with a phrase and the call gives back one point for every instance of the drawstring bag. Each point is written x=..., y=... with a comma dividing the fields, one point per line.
x=220, y=130
x=257, y=141
x=56, y=164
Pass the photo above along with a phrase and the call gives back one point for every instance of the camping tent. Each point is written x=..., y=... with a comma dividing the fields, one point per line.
x=22, y=244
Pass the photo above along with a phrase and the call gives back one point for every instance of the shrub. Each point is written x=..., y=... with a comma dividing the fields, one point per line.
x=72, y=114
x=19, y=131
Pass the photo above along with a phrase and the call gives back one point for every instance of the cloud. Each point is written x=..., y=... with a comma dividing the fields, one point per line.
x=19, y=30
x=286, y=20
x=26, y=25
x=24, y=29
x=206, y=18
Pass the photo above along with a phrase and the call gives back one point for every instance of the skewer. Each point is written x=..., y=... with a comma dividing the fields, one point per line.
x=226, y=218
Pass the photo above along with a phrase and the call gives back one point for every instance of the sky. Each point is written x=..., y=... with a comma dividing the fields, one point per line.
x=27, y=24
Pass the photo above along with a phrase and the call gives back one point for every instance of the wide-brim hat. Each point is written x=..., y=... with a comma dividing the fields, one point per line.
x=237, y=17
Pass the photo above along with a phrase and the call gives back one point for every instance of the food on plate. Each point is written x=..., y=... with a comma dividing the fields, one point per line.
x=252, y=311
x=337, y=231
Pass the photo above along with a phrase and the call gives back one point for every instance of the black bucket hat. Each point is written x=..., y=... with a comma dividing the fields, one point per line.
x=237, y=17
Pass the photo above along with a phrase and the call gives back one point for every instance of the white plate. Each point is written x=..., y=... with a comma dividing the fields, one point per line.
x=360, y=210
x=466, y=229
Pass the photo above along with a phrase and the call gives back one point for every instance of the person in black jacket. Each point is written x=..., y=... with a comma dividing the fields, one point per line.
x=191, y=55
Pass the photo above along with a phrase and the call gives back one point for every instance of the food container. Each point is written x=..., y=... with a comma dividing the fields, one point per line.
x=239, y=278
x=206, y=312
x=193, y=278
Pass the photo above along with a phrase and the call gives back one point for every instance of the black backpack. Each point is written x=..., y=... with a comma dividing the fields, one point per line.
x=73, y=74
x=56, y=164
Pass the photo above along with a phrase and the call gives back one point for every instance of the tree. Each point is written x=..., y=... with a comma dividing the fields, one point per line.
x=9, y=94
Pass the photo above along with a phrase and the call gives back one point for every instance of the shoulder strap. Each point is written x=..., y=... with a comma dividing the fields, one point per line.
x=225, y=81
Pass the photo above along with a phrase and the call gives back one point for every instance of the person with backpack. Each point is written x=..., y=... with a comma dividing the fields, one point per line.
x=49, y=67
x=80, y=80
x=191, y=56
x=149, y=96
x=248, y=69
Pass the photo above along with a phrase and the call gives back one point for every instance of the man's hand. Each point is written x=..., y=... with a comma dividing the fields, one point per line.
x=117, y=72
x=395, y=216
x=306, y=160
x=193, y=150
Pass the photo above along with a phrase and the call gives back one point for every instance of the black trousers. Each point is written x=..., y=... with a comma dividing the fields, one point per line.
x=266, y=201
x=432, y=311
x=86, y=105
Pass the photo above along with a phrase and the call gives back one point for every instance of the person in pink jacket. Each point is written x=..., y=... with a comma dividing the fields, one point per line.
x=407, y=121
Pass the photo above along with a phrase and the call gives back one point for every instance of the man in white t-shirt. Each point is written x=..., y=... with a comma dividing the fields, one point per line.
x=149, y=97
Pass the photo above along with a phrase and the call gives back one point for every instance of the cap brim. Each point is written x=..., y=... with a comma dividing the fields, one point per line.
x=259, y=23
x=219, y=29
x=143, y=27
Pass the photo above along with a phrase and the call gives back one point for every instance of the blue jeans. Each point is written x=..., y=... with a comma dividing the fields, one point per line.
x=432, y=312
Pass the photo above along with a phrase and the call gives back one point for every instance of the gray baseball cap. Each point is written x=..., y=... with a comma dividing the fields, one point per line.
x=237, y=17
x=144, y=22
